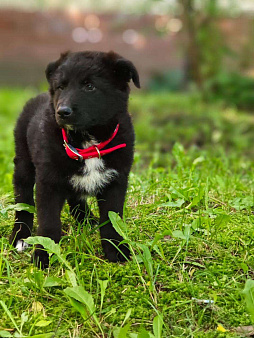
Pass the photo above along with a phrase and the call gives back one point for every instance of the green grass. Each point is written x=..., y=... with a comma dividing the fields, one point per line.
x=189, y=221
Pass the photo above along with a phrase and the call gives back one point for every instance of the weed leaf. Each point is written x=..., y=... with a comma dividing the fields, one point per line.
x=158, y=237
x=121, y=332
x=176, y=204
x=221, y=220
x=147, y=259
x=78, y=293
x=157, y=326
x=46, y=242
x=20, y=207
x=127, y=316
x=71, y=277
x=4, y=334
x=79, y=308
x=43, y=323
x=118, y=224
x=82, y=296
x=52, y=281
x=103, y=285
x=145, y=334
x=179, y=234
x=248, y=292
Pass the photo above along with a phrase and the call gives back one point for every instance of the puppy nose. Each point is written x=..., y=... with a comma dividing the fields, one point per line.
x=64, y=111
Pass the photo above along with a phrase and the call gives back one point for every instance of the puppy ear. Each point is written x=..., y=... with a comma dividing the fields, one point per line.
x=126, y=70
x=123, y=69
x=52, y=66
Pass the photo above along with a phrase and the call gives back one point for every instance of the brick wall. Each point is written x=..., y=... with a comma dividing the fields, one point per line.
x=29, y=40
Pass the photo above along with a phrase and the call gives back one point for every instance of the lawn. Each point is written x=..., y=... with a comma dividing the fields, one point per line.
x=188, y=219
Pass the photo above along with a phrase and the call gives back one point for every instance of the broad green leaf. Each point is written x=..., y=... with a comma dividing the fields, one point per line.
x=187, y=231
x=121, y=332
x=221, y=220
x=143, y=333
x=50, y=246
x=158, y=237
x=175, y=204
x=199, y=159
x=4, y=334
x=52, y=281
x=147, y=259
x=178, y=234
x=127, y=316
x=139, y=259
x=240, y=203
x=133, y=335
x=79, y=307
x=118, y=224
x=244, y=266
x=46, y=242
x=103, y=285
x=43, y=323
x=79, y=294
x=181, y=194
x=24, y=318
x=20, y=207
x=248, y=292
x=71, y=277
x=157, y=326
x=18, y=335
x=37, y=307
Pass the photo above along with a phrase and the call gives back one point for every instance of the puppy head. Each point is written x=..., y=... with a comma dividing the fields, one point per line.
x=90, y=89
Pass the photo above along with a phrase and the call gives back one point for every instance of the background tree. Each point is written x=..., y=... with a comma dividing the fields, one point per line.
x=204, y=48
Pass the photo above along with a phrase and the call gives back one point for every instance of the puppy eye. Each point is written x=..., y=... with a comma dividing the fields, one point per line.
x=89, y=86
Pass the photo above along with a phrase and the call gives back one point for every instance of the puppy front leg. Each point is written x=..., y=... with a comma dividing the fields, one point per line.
x=49, y=205
x=112, y=199
x=23, y=180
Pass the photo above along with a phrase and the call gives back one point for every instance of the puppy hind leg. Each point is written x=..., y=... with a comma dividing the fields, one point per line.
x=23, y=180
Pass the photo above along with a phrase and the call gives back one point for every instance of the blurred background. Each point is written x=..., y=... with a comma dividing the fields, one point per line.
x=172, y=42
x=195, y=59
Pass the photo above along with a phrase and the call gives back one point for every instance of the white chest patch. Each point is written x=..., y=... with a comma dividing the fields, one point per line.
x=94, y=177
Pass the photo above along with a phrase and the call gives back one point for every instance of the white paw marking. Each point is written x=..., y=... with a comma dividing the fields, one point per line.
x=21, y=245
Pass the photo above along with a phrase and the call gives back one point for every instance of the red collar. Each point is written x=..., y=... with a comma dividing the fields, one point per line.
x=91, y=152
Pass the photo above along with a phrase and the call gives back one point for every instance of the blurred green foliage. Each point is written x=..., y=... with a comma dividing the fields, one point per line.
x=161, y=119
x=171, y=80
x=233, y=89
x=229, y=88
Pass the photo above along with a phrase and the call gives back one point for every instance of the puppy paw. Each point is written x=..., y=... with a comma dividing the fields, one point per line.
x=121, y=253
x=40, y=258
x=21, y=245
x=18, y=234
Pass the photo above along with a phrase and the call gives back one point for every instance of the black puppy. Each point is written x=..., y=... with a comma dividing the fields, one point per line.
x=75, y=141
